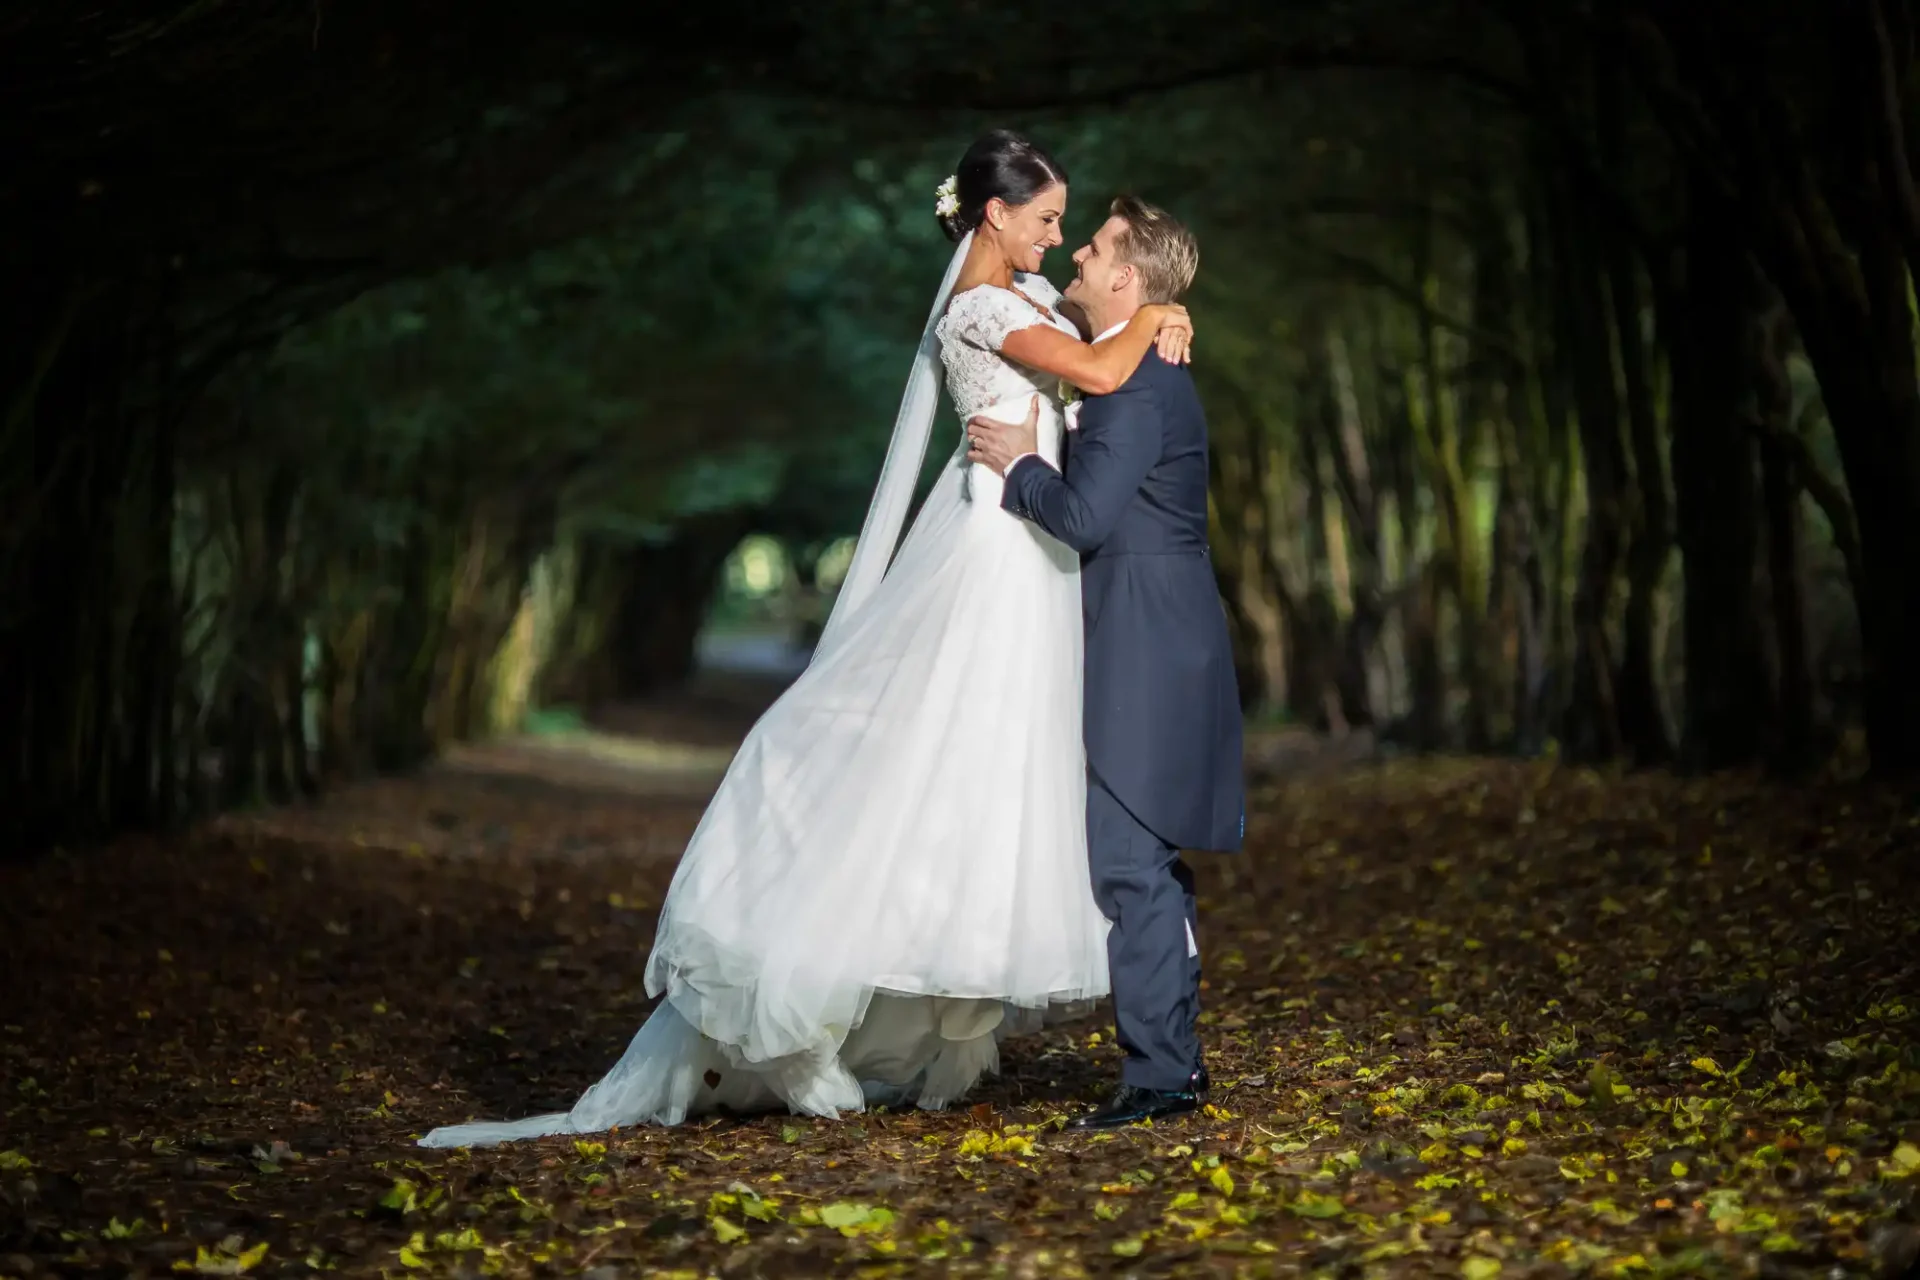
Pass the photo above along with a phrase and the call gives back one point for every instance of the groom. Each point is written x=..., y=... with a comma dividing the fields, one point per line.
x=1161, y=705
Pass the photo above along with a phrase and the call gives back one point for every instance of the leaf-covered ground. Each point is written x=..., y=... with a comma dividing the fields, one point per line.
x=1464, y=1018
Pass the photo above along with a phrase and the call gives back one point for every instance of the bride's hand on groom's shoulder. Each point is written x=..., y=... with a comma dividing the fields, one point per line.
x=1174, y=338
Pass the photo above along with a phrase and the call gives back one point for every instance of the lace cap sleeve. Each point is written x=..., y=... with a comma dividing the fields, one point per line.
x=984, y=316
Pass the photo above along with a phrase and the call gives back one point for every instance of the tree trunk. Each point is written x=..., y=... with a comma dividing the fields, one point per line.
x=1426, y=674
x=1446, y=449
x=396, y=683
x=73, y=452
x=1835, y=218
x=1551, y=457
x=1706, y=301
x=1519, y=570
x=1311, y=614
x=663, y=601
x=1345, y=441
x=1791, y=749
x=1591, y=722
x=1643, y=717
x=1531, y=606
x=1425, y=726
x=157, y=748
x=1245, y=638
x=1875, y=411
x=1641, y=709
x=1497, y=391
x=1236, y=522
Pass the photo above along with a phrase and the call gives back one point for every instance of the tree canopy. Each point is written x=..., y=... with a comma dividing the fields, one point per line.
x=1560, y=357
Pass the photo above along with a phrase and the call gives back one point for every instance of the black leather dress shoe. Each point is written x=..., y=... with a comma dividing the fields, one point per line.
x=1131, y=1104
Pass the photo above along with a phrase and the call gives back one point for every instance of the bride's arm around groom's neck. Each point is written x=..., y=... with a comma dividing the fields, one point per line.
x=1076, y=315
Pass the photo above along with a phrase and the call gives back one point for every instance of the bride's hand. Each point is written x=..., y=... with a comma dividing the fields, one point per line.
x=1173, y=338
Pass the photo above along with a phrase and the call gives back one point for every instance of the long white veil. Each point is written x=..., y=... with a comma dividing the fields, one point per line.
x=880, y=532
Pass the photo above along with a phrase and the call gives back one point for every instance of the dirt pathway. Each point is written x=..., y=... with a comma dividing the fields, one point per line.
x=1464, y=1018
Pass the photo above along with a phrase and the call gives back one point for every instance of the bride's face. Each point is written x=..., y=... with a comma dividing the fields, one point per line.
x=1025, y=232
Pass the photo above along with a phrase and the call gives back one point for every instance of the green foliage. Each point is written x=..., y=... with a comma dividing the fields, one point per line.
x=497, y=392
x=736, y=341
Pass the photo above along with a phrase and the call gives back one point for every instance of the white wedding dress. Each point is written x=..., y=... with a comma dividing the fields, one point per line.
x=893, y=874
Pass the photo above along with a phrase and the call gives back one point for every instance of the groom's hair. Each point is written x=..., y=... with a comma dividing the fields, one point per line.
x=1158, y=247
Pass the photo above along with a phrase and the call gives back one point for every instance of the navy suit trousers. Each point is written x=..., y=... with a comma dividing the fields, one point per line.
x=1144, y=887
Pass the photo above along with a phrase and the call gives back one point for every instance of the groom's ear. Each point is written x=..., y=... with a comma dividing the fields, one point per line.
x=1124, y=275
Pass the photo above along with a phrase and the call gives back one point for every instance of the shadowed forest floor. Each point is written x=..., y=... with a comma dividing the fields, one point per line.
x=1464, y=1018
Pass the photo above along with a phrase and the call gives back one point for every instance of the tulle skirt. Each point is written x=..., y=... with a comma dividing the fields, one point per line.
x=893, y=874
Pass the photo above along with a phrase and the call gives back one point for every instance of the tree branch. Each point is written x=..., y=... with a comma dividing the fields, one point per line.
x=1826, y=493
x=1052, y=91
x=1886, y=111
x=1688, y=122
x=1373, y=273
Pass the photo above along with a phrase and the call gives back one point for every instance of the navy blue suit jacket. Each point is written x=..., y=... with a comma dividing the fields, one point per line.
x=1162, y=706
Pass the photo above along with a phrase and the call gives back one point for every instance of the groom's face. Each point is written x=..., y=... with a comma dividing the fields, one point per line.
x=1101, y=279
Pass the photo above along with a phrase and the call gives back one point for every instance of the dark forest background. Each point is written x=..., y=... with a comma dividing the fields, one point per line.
x=375, y=373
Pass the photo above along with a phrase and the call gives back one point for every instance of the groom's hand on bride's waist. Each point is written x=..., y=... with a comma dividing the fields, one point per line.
x=1001, y=444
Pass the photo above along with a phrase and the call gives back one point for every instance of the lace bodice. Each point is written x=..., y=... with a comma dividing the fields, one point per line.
x=971, y=332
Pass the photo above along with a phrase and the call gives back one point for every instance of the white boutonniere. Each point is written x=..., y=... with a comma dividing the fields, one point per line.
x=1070, y=404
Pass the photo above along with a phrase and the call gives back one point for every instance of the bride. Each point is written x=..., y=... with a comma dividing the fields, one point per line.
x=850, y=923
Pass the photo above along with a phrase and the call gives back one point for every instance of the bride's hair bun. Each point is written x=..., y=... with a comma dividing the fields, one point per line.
x=999, y=165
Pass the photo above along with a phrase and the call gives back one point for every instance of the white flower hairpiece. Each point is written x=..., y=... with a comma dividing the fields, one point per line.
x=949, y=192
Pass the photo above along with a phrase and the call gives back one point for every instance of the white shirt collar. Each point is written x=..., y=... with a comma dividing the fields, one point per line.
x=1110, y=332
